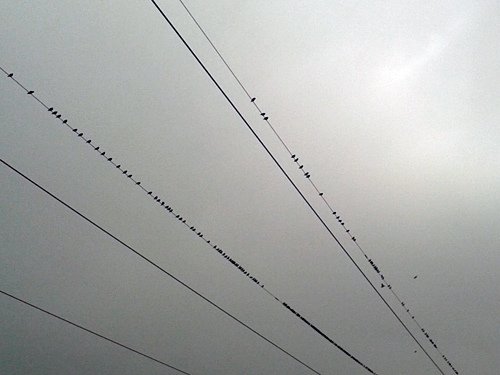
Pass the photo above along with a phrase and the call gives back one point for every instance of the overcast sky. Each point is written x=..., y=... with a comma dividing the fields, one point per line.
x=393, y=108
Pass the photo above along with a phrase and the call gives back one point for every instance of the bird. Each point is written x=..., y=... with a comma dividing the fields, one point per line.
x=414, y=277
x=10, y=75
x=75, y=130
x=252, y=100
x=80, y=134
x=58, y=116
x=263, y=114
x=54, y=112
x=109, y=159
x=89, y=140
x=320, y=194
x=50, y=109
x=302, y=166
x=65, y=121
x=382, y=285
x=31, y=92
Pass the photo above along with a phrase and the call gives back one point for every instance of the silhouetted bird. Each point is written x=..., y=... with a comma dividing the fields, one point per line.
x=109, y=159
x=89, y=140
x=65, y=121
x=414, y=277
x=31, y=92
x=58, y=116
x=102, y=153
x=266, y=118
x=50, y=109
x=301, y=167
x=130, y=175
x=320, y=194
x=75, y=130
x=263, y=114
x=252, y=100
x=118, y=166
x=296, y=160
x=54, y=113
x=382, y=286
x=96, y=148
x=293, y=156
x=10, y=75
x=138, y=183
x=80, y=134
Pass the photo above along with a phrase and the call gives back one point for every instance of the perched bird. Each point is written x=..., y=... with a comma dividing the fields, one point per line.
x=320, y=194
x=263, y=114
x=89, y=140
x=130, y=175
x=109, y=159
x=252, y=100
x=293, y=156
x=65, y=121
x=266, y=118
x=54, y=112
x=414, y=277
x=382, y=286
x=31, y=92
x=75, y=130
x=138, y=183
x=102, y=153
x=58, y=116
x=10, y=75
x=80, y=134
x=301, y=167
x=50, y=109
x=118, y=166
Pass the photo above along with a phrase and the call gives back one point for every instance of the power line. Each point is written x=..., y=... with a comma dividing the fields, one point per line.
x=214, y=81
x=93, y=332
x=117, y=239
x=295, y=159
x=125, y=172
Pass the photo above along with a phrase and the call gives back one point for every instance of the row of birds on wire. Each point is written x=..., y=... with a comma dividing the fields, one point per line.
x=375, y=267
x=307, y=175
x=80, y=134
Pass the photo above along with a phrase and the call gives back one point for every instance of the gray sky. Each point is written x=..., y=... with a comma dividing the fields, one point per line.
x=393, y=108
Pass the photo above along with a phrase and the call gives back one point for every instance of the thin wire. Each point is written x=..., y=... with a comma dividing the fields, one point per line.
x=214, y=81
x=90, y=221
x=93, y=332
x=180, y=218
x=318, y=191
x=321, y=194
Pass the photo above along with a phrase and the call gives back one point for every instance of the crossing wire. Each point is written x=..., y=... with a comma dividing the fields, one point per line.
x=125, y=172
x=323, y=223
x=157, y=266
x=88, y=330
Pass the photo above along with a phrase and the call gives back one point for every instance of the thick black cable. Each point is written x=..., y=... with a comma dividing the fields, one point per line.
x=294, y=157
x=139, y=254
x=94, y=333
x=180, y=218
x=214, y=81
x=385, y=283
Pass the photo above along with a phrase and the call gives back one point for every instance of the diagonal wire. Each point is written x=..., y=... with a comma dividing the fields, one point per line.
x=157, y=266
x=315, y=187
x=221, y=90
x=181, y=219
x=93, y=332
x=318, y=191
